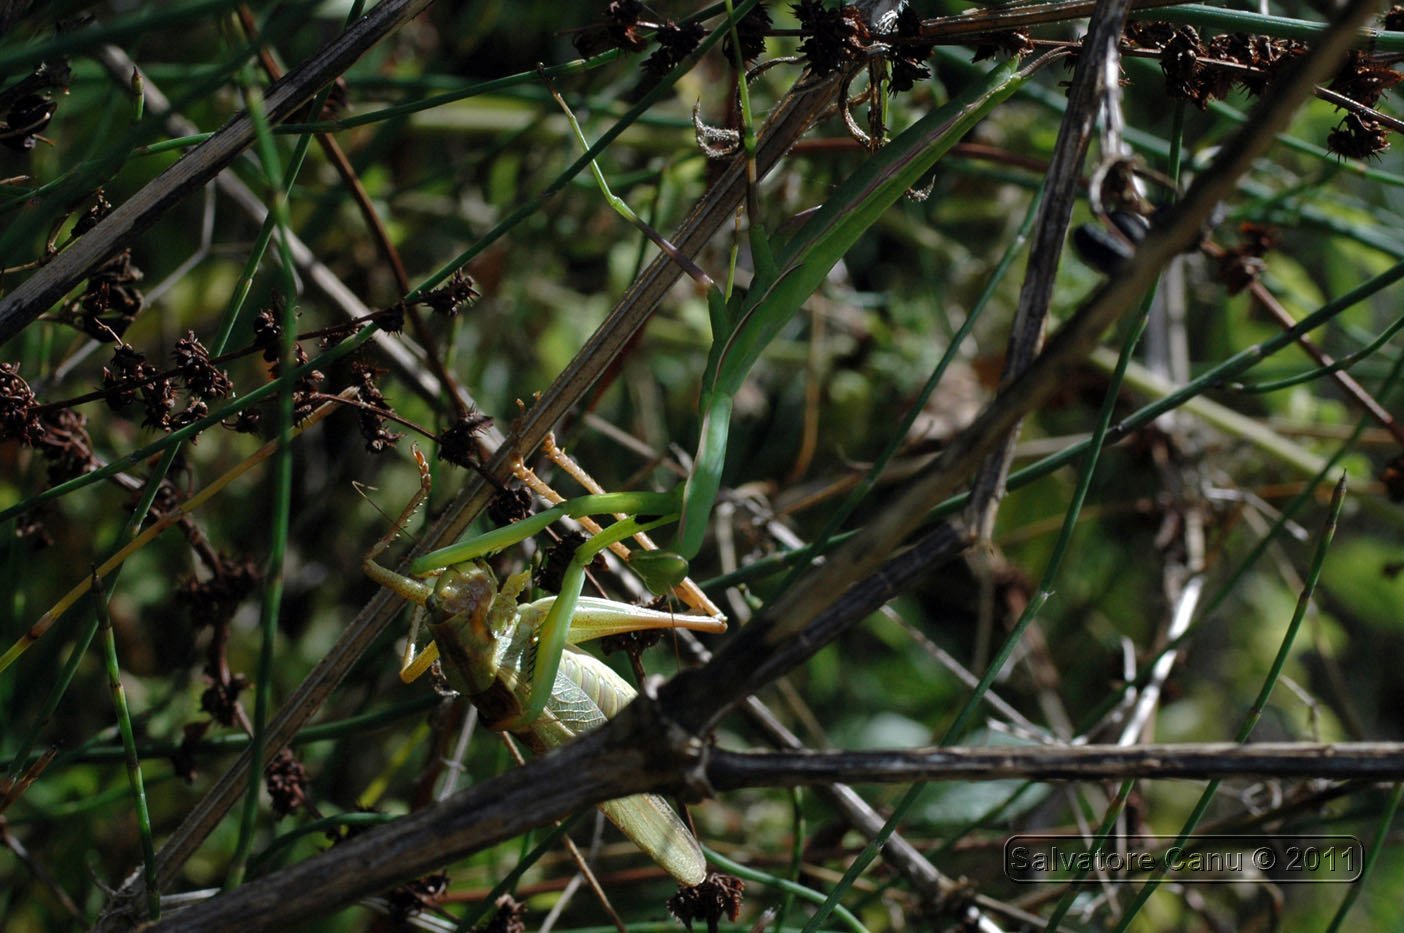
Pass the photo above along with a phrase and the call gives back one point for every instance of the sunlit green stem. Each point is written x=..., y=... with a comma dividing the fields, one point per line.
x=1255, y=712
x=555, y=630
x=636, y=503
x=133, y=762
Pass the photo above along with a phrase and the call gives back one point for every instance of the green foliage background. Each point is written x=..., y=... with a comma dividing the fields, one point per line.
x=852, y=362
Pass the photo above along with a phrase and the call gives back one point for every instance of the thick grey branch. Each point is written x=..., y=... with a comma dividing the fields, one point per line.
x=1362, y=761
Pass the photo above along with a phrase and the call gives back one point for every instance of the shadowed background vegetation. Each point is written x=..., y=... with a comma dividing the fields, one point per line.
x=1215, y=510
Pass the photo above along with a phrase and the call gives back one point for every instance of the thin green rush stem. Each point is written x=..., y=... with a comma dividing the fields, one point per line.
x=472, y=918
x=133, y=762
x=1371, y=857
x=1212, y=378
x=521, y=78
x=173, y=440
x=1134, y=327
x=87, y=803
x=534, y=203
x=1155, y=146
x=226, y=411
x=1386, y=386
x=899, y=436
x=638, y=503
x=281, y=506
x=89, y=630
x=149, y=493
x=1226, y=21
x=281, y=844
x=870, y=851
x=622, y=208
x=579, y=66
x=750, y=873
x=1099, y=839
x=79, y=182
x=798, y=833
x=1230, y=584
x=1345, y=362
x=175, y=142
x=235, y=741
x=1255, y=712
x=743, y=93
x=27, y=55
x=1151, y=70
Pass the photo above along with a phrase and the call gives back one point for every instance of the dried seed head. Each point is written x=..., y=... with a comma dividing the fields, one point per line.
x=203, y=380
x=27, y=118
x=376, y=435
x=158, y=400
x=32, y=527
x=453, y=296
x=188, y=416
x=1392, y=476
x=286, y=778
x=551, y=576
x=111, y=301
x=421, y=894
x=832, y=38
x=99, y=209
x=751, y=30
x=1186, y=77
x=619, y=31
x=458, y=444
x=1356, y=137
x=213, y=602
x=509, y=505
x=1150, y=34
x=124, y=375
x=909, y=59
x=183, y=759
x=248, y=421
x=65, y=445
x=19, y=416
x=392, y=319
x=1241, y=266
x=716, y=897
x=633, y=644
x=221, y=698
x=675, y=43
x=1363, y=79
x=508, y=918
x=1013, y=43
x=268, y=332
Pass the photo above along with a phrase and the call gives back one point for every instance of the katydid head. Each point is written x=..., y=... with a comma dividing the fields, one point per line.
x=462, y=599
